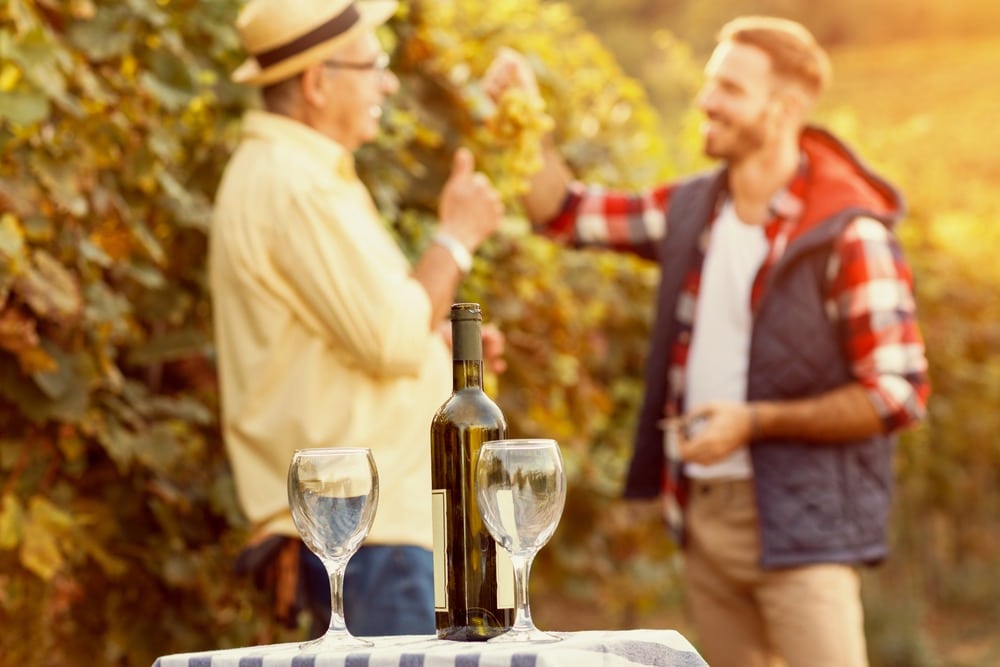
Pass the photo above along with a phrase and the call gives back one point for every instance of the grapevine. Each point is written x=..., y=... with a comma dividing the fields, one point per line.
x=517, y=129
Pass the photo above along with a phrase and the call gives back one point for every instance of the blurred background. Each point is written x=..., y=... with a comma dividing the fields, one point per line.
x=118, y=518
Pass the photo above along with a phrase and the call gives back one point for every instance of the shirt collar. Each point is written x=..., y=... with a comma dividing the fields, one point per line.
x=788, y=203
x=319, y=147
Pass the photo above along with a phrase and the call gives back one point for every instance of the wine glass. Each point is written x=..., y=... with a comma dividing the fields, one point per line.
x=521, y=489
x=333, y=493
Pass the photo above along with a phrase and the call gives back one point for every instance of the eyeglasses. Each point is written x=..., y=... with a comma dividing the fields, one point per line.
x=379, y=65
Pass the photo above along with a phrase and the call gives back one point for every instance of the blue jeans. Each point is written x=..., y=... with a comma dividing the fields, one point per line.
x=388, y=590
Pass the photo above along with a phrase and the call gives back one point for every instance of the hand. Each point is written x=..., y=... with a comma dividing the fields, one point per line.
x=715, y=431
x=471, y=210
x=493, y=346
x=509, y=69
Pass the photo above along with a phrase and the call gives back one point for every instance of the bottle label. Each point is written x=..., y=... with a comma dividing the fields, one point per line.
x=505, y=579
x=439, y=503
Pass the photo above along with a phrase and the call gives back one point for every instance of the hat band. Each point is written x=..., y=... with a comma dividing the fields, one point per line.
x=338, y=25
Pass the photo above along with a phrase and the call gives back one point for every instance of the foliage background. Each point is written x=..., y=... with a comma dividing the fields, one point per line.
x=118, y=521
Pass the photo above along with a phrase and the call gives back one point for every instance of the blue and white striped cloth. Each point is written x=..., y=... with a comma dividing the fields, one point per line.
x=626, y=648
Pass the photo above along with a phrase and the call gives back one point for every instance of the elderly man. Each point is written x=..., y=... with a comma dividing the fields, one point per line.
x=785, y=354
x=326, y=336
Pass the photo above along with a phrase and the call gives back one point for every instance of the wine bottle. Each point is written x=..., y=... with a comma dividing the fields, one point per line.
x=473, y=578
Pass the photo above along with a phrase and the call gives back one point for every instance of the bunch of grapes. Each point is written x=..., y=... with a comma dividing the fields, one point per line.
x=517, y=128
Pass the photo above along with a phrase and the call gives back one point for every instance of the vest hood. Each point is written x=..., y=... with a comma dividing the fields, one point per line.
x=838, y=181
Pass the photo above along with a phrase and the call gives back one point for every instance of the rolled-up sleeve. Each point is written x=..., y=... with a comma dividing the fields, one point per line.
x=872, y=295
x=624, y=221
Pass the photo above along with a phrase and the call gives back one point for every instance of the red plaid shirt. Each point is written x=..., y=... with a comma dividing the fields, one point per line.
x=870, y=286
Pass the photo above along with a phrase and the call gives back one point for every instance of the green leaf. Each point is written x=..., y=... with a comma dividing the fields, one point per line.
x=117, y=440
x=189, y=206
x=187, y=410
x=148, y=241
x=62, y=179
x=43, y=61
x=149, y=11
x=65, y=391
x=103, y=37
x=94, y=254
x=146, y=274
x=169, y=346
x=159, y=447
x=50, y=290
x=35, y=405
x=172, y=99
x=107, y=312
x=38, y=229
x=24, y=108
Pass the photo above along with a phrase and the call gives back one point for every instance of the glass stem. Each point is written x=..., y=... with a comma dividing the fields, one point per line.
x=522, y=571
x=337, y=624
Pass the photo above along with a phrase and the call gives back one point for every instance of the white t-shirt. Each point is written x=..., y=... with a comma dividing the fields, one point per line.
x=720, y=344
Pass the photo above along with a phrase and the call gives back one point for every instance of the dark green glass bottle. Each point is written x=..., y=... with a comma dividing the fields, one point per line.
x=473, y=578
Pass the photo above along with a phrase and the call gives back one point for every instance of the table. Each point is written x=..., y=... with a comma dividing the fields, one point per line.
x=626, y=648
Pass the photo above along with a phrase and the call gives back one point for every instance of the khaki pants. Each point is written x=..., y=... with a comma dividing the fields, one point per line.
x=807, y=616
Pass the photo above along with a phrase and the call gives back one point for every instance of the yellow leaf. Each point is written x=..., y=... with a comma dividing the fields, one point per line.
x=36, y=360
x=42, y=530
x=129, y=66
x=92, y=106
x=12, y=247
x=45, y=526
x=48, y=515
x=40, y=553
x=10, y=75
x=11, y=522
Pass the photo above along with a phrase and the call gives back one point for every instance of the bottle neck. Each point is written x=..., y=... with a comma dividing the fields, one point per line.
x=467, y=375
x=467, y=354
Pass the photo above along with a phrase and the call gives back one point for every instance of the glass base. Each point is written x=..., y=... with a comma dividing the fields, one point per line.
x=335, y=641
x=532, y=635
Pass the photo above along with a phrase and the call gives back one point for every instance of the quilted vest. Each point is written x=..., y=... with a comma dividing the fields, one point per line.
x=818, y=503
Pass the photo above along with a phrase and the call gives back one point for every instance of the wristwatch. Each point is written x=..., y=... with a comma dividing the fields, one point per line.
x=459, y=253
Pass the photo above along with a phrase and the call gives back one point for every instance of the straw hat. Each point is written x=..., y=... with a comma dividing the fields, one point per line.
x=283, y=38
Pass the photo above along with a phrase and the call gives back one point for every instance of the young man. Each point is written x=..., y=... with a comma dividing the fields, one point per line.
x=784, y=356
x=326, y=336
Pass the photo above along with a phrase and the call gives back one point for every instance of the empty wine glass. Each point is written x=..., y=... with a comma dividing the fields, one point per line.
x=333, y=493
x=521, y=489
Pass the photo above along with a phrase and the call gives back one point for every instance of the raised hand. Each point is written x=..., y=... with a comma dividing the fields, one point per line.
x=509, y=69
x=471, y=209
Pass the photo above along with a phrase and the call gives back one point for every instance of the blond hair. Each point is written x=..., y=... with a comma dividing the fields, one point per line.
x=794, y=52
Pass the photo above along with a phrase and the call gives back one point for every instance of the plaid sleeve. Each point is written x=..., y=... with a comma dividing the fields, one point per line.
x=628, y=222
x=872, y=297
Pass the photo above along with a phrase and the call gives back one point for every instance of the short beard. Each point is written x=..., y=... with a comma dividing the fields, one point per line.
x=749, y=138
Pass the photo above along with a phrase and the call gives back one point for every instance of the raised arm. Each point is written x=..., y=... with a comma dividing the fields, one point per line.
x=470, y=212
x=548, y=186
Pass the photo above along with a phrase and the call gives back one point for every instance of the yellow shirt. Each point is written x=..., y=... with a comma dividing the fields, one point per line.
x=322, y=335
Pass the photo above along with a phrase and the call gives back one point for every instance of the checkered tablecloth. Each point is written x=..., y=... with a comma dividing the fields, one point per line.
x=627, y=648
